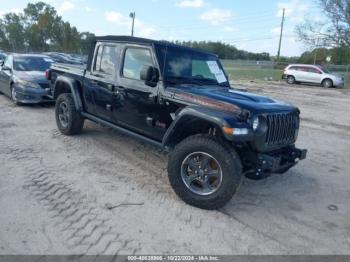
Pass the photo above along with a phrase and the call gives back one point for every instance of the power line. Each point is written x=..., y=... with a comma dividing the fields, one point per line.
x=243, y=39
x=266, y=17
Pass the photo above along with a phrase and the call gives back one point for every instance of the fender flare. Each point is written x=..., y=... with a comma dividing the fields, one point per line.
x=74, y=89
x=219, y=119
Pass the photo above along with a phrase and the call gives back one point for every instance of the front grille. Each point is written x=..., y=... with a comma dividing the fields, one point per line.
x=282, y=128
x=44, y=86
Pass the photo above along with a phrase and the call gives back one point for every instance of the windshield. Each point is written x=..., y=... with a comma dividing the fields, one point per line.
x=325, y=70
x=186, y=66
x=31, y=63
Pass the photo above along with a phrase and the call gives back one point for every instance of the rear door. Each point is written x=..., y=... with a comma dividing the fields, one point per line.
x=301, y=73
x=99, y=83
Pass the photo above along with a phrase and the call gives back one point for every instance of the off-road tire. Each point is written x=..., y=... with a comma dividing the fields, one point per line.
x=226, y=156
x=291, y=80
x=75, y=120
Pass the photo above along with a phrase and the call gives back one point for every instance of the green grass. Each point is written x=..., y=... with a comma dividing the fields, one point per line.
x=254, y=73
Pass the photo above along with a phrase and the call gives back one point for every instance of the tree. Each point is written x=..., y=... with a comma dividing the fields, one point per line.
x=85, y=42
x=41, y=22
x=4, y=43
x=39, y=28
x=13, y=31
x=334, y=31
x=225, y=51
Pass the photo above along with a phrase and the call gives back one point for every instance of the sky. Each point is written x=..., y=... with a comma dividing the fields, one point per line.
x=250, y=25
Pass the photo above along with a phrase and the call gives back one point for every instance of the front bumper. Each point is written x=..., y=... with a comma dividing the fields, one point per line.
x=339, y=83
x=30, y=95
x=276, y=162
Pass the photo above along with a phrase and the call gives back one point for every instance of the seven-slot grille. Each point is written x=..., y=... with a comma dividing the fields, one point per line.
x=282, y=128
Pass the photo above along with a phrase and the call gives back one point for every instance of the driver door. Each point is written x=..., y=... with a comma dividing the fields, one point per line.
x=135, y=103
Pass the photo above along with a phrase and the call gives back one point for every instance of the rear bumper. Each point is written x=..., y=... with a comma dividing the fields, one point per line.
x=29, y=95
x=276, y=162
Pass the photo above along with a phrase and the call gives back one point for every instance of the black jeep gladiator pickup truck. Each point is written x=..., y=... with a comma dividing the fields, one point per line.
x=179, y=98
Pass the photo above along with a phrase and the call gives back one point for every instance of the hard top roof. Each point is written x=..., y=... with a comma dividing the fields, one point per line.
x=139, y=40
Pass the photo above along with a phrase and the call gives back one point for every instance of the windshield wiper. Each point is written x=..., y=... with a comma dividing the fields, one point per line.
x=183, y=80
x=209, y=81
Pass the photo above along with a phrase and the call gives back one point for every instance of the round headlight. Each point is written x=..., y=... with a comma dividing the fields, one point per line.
x=255, y=123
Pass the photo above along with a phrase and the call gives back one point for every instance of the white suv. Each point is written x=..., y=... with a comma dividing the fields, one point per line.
x=312, y=74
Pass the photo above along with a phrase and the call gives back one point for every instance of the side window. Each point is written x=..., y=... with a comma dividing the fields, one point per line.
x=106, y=59
x=8, y=61
x=134, y=60
x=97, y=65
x=314, y=70
x=109, y=60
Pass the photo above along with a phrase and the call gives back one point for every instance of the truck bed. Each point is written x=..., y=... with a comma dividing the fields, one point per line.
x=77, y=70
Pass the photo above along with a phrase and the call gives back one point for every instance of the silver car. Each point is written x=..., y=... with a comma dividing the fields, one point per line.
x=312, y=74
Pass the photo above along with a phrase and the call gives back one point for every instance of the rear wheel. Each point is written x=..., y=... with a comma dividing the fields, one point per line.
x=204, y=172
x=291, y=80
x=69, y=121
x=327, y=83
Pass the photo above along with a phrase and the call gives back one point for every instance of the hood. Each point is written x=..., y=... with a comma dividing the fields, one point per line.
x=32, y=76
x=336, y=76
x=244, y=100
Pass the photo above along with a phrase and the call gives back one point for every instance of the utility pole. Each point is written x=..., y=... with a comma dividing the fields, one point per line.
x=315, y=50
x=132, y=16
x=279, y=45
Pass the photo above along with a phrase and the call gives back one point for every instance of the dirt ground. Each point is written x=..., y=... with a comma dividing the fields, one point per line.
x=104, y=193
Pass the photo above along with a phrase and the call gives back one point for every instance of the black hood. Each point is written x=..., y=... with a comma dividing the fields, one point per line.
x=244, y=100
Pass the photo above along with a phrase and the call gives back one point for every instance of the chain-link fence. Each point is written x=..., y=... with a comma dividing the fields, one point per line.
x=269, y=70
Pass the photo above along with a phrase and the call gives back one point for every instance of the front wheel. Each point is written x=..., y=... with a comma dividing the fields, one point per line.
x=14, y=96
x=69, y=121
x=327, y=83
x=204, y=172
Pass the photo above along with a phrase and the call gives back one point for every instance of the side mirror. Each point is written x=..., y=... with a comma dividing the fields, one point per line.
x=150, y=75
x=1, y=62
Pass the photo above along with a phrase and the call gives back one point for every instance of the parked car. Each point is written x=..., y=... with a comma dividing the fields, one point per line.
x=64, y=58
x=314, y=74
x=2, y=57
x=22, y=78
x=179, y=99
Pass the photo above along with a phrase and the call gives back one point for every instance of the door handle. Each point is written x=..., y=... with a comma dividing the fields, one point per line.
x=118, y=90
